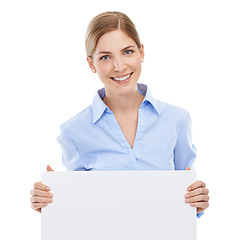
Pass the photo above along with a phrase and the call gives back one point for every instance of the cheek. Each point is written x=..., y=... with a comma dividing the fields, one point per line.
x=135, y=63
x=104, y=69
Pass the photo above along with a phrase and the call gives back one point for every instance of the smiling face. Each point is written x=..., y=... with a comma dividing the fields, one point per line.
x=117, y=60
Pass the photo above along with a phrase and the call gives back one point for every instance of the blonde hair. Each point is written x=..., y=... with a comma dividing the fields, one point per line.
x=106, y=22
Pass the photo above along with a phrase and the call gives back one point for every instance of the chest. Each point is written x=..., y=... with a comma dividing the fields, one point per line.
x=128, y=125
x=127, y=142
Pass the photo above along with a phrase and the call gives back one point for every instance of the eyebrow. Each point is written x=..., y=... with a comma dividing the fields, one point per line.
x=106, y=52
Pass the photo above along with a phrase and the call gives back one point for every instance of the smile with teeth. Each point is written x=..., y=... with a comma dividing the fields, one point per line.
x=124, y=78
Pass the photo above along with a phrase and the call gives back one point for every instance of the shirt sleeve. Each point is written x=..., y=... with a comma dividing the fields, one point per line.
x=185, y=152
x=200, y=214
x=70, y=156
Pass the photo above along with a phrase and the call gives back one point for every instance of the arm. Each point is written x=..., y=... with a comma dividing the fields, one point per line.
x=71, y=158
x=184, y=157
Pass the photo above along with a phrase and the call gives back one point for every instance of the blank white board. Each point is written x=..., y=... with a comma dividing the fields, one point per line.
x=119, y=205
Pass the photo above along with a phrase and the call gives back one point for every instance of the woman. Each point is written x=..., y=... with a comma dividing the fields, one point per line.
x=125, y=128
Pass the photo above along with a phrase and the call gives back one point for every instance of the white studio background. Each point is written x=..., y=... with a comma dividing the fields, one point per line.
x=192, y=60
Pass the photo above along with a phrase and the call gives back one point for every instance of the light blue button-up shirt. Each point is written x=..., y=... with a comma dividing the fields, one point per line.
x=93, y=139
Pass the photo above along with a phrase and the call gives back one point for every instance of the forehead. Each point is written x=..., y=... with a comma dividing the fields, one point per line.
x=114, y=41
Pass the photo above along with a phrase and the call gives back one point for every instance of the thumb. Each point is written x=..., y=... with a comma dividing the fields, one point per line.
x=188, y=168
x=49, y=169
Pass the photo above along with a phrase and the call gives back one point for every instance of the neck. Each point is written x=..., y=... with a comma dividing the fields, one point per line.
x=124, y=104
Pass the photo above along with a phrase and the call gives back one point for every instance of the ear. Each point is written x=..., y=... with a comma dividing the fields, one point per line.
x=91, y=64
x=142, y=54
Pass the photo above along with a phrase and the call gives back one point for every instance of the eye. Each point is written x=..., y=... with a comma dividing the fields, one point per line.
x=128, y=52
x=106, y=57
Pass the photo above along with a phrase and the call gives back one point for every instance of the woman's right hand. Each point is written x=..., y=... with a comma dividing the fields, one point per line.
x=41, y=196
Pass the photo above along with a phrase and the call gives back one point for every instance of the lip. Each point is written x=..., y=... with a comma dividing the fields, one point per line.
x=121, y=76
x=122, y=82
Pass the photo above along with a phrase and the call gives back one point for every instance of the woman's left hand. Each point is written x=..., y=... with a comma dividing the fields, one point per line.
x=197, y=195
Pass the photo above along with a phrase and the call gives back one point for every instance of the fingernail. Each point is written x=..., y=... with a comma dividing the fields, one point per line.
x=45, y=204
x=50, y=200
x=187, y=200
x=187, y=196
x=50, y=195
x=192, y=204
x=189, y=189
x=48, y=188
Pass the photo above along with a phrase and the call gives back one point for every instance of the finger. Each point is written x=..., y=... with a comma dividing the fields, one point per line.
x=35, y=199
x=37, y=206
x=38, y=210
x=198, y=198
x=188, y=168
x=49, y=169
x=196, y=184
x=201, y=205
x=39, y=185
x=40, y=193
x=196, y=192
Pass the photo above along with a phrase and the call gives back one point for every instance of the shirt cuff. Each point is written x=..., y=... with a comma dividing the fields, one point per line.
x=200, y=214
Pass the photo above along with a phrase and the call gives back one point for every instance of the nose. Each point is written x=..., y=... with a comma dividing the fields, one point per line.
x=119, y=65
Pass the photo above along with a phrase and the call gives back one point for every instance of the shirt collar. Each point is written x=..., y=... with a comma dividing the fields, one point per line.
x=99, y=107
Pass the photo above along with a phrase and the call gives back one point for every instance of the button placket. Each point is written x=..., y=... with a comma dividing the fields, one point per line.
x=118, y=132
x=132, y=153
x=139, y=133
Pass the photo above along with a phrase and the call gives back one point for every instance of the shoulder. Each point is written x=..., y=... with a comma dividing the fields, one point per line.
x=171, y=111
x=164, y=110
x=173, y=117
x=80, y=121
